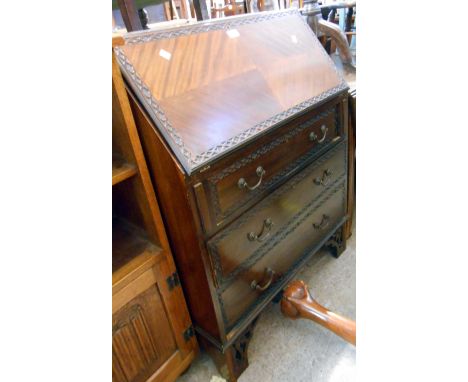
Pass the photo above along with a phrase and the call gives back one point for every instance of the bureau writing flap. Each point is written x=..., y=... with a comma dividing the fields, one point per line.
x=210, y=87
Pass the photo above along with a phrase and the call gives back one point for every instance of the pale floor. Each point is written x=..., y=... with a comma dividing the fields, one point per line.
x=300, y=350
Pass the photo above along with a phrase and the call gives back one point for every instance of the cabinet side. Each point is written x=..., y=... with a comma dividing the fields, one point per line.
x=180, y=217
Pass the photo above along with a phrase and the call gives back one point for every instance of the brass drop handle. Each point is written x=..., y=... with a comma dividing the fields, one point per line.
x=242, y=183
x=255, y=285
x=323, y=224
x=264, y=233
x=324, y=130
x=313, y=136
x=325, y=179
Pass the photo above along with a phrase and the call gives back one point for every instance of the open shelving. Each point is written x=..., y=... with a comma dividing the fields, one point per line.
x=149, y=318
x=121, y=170
x=132, y=250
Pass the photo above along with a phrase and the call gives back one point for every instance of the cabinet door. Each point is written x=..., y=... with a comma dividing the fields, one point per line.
x=148, y=321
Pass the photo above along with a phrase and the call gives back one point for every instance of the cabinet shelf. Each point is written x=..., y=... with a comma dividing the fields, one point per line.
x=122, y=170
x=132, y=251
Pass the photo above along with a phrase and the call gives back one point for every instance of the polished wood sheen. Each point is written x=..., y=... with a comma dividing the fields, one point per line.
x=149, y=317
x=243, y=123
x=247, y=236
x=210, y=87
x=309, y=134
x=239, y=296
x=298, y=303
x=248, y=66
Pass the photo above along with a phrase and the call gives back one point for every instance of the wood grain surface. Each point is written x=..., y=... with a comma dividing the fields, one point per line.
x=274, y=156
x=149, y=316
x=215, y=85
x=233, y=245
x=297, y=241
x=212, y=102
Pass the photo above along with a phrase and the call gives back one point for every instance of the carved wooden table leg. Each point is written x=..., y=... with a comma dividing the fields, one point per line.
x=298, y=303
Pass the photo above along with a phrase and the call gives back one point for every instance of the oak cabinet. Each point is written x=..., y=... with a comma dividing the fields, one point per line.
x=152, y=334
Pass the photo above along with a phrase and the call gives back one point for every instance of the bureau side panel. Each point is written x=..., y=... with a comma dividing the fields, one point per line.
x=179, y=214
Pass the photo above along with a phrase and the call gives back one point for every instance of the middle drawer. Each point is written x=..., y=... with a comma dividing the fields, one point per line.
x=246, y=237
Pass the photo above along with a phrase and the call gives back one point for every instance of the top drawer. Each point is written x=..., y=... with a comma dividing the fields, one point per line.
x=234, y=184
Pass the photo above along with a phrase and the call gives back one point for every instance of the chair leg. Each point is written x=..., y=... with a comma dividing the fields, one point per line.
x=298, y=303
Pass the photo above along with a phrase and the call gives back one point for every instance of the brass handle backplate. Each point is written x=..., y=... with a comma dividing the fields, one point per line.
x=314, y=137
x=255, y=285
x=263, y=234
x=325, y=179
x=242, y=183
x=323, y=224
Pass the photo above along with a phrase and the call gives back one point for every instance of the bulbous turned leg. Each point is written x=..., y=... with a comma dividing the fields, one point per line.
x=298, y=303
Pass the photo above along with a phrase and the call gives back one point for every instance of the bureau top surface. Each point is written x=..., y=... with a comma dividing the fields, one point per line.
x=210, y=87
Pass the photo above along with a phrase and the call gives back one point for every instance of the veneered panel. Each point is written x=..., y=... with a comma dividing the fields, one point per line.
x=212, y=86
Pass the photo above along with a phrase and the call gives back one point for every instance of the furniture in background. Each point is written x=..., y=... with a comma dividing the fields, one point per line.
x=329, y=32
x=223, y=8
x=349, y=74
x=247, y=149
x=135, y=16
x=332, y=35
x=152, y=335
x=345, y=23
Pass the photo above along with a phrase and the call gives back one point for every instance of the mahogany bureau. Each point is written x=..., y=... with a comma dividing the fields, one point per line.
x=243, y=122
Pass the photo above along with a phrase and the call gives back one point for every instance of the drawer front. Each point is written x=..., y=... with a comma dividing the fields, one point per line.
x=245, y=178
x=247, y=238
x=296, y=241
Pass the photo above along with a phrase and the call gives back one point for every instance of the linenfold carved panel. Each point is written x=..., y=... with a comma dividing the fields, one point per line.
x=141, y=338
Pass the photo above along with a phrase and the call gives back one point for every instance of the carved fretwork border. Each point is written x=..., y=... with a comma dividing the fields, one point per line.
x=291, y=227
x=214, y=180
x=225, y=281
x=189, y=160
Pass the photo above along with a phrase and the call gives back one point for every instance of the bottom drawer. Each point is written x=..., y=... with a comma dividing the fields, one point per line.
x=297, y=238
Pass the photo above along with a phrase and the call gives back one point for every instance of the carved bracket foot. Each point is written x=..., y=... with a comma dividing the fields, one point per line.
x=240, y=348
x=337, y=243
x=234, y=360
